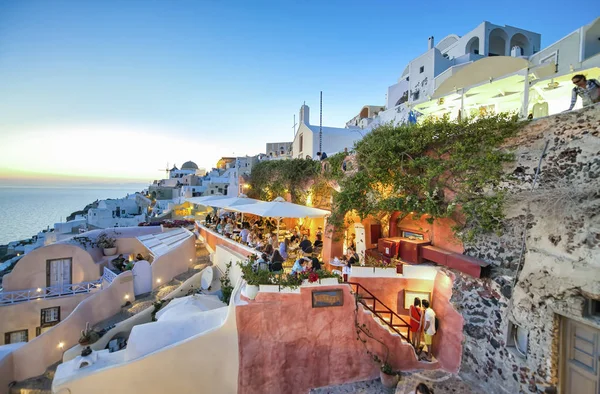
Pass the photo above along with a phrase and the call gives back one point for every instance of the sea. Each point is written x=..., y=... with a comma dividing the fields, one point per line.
x=25, y=210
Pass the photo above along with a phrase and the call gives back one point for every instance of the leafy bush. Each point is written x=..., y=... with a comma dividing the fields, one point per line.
x=226, y=287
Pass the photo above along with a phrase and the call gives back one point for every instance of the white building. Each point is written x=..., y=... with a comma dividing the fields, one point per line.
x=308, y=140
x=492, y=69
x=122, y=212
x=279, y=150
x=188, y=168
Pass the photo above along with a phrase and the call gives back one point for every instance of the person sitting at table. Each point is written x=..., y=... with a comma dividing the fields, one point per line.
x=220, y=226
x=119, y=262
x=316, y=264
x=268, y=249
x=283, y=248
x=228, y=229
x=305, y=244
x=208, y=219
x=352, y=256
x=296, y=235
x=299, y=265
x=244, y=233
x=258, y=222
x=319, y=241
x=139, y=257
x=262, y=263
x=276, y=261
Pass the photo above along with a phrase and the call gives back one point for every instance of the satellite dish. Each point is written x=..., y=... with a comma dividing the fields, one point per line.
x=206, y=278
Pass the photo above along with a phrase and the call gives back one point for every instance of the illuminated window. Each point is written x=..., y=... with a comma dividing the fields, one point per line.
x=50, y=316
x=16, y=336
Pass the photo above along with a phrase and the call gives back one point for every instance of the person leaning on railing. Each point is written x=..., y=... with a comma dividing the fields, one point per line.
x=587, y=89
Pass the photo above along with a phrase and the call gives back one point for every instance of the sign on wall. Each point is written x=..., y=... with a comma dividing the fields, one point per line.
x=327, y=298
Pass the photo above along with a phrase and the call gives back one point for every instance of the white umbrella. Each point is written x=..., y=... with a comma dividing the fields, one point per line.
x=232, y=202
x=279, y=208
x=205, y=199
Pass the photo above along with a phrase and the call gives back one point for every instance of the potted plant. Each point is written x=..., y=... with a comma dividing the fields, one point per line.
x=108, y=244
x=253, y=278
x=88, y=336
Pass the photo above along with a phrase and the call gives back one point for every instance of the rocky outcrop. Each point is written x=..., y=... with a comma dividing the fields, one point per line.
x=551, y=238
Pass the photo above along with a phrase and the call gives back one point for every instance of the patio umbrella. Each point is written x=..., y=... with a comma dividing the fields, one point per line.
x=227, y=203
x=279, y=208
x=205, y=199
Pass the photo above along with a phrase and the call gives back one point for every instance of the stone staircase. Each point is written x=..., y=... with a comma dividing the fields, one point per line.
x=384, y=315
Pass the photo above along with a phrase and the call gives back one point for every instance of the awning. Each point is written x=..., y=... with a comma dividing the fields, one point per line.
x=481, y=71
x=279, y=208
x=162, y=243
x=227, y=203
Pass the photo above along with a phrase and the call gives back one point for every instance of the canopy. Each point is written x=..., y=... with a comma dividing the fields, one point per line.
x=279, y=208
x=205, y=199
x=232, y=202
x=486, y=69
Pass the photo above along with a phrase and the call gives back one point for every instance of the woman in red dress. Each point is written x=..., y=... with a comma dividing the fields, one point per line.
x=416, y=322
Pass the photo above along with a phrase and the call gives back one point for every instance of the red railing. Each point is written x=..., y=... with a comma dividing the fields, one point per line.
x=391, y=319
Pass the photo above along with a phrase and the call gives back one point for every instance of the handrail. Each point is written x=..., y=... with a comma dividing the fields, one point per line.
x=13, y=297
x=373, y=310
x=108, y=275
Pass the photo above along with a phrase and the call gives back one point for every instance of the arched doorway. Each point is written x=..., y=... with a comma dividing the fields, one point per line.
x=473, y=46
x=519, y=40
x=497, y=43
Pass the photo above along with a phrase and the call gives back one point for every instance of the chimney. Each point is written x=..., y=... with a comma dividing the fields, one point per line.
x=305, y=114
x=431, y=43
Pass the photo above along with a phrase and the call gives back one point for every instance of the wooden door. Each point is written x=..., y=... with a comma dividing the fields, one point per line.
x=58, y=273
x=581, y=357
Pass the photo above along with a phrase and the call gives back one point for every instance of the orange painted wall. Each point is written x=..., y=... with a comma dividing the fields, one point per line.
x=286, y=346
x=439, y=233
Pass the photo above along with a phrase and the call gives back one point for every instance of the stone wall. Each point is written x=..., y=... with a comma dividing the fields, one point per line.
x=561, y=256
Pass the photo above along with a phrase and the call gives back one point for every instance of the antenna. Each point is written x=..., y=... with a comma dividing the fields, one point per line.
x=166, y=170
x=294, y=126
x=321, y=125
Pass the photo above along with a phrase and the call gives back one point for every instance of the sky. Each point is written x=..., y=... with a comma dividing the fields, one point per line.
x=114, y=90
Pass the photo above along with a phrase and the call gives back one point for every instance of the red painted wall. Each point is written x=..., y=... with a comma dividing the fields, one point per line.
x=447, y=343
x=286, y=346
x=439, y=233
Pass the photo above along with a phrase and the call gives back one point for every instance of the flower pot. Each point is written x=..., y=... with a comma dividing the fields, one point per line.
x=109, y=251
x=251, y=291
x=389, y=381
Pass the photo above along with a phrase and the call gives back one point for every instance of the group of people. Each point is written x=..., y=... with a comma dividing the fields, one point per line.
x=122, y=264
x=422, y=324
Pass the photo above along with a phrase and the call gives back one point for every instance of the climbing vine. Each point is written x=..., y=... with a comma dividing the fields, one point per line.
x=439, y=168
x=431, y=169
x=271, y=179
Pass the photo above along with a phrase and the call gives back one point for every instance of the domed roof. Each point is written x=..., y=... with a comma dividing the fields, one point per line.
x=189, y=165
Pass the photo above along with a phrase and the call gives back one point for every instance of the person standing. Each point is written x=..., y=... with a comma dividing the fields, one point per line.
x=429, y=327
x=587, y=89
x=416, y=314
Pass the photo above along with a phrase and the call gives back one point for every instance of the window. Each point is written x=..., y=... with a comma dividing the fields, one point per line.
x=50, y=316
x=212, y=192
x=301, y=142
x=411, y=235
x=517, y=340
x=593, y=308
x=16, y=336
x=421, y=69
x=476, y=51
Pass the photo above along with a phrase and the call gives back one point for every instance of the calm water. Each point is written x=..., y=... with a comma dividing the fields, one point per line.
x=24, y=211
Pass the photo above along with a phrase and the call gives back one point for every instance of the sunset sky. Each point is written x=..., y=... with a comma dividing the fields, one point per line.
x=113, y=90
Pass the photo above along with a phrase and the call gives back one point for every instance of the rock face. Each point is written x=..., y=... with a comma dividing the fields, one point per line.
x=560, y=223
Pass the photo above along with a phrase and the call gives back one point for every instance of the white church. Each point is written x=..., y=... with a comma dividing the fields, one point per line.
x=309, y=140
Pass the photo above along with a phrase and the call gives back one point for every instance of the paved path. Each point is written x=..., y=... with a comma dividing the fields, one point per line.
x=441, y=382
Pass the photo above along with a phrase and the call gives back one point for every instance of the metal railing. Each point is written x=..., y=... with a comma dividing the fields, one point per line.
x=108, y=275
x=13, y=297
x=384, y=313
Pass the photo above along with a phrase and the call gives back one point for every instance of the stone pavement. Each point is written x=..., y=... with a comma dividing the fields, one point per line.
x=441, y=382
